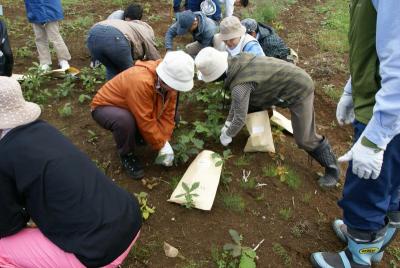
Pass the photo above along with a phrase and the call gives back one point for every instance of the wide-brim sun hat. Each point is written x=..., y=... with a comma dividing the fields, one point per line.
x=14, y=110
x=211, y=64
x=230, y=27
x=177, y=70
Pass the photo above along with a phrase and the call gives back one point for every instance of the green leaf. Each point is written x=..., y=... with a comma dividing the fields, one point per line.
x=219, y=163
x=198, y=143
x=185, y=187
x=229, y=246
x=247, y=259
x=179, y=195
x=195, y=186
x=195, y=195
x=235, y=236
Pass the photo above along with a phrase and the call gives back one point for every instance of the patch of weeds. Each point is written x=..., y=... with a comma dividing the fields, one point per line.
x=267, y=10
x=142, y=252
x=244, y=160
x=91, y=77
x=300, y=228
x=234, y=254
x=233, y=202
x=189, y=195
x=269, y=171
x=306, y=198
x=291, y=179
x=66, y=110
x=92, y=137
x=285, y=175
x=395, y=252
x=146, y=209
x=65, y=88
x=250, y=184
x=279, y=250
x=23, y=52
x=33, y=85
x=81, y=23
x=103, y=166
x=186, y=145
x=332, y=92
x=83, y=98
x=285, y=213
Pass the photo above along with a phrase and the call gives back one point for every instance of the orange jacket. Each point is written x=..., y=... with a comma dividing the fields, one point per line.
x=135, y=90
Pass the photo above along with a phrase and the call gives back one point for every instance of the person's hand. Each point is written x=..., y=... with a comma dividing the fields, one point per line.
x=226, y=126
x=345, y=109
x=367, y=161
x=225, y=139
x=167, y=155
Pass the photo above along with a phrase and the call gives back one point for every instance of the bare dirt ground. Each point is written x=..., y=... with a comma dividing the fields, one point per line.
x=195, y=232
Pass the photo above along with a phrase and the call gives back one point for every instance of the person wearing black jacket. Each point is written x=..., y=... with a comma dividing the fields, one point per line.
x=6, y=56
x=82, y=218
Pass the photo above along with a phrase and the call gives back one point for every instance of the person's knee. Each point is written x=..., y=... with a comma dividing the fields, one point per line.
x=124, y=122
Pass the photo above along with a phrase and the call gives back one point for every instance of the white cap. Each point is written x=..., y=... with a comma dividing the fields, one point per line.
x=211, y=63
x=177, y=70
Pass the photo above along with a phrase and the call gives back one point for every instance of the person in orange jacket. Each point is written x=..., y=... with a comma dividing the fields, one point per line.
x=140, y=103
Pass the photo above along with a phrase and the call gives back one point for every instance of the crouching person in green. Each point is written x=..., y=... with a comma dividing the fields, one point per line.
x=257, y=83
x=82, y=219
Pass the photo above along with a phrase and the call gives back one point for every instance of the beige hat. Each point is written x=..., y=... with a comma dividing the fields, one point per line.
x=14, y=110
x=177, y=70
x=211, y=63
x=230, y=28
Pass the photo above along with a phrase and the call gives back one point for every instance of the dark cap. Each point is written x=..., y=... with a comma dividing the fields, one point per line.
x=185, y=21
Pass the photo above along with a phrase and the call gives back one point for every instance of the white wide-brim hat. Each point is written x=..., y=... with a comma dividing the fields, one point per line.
x=14, y=110
x=230, y=28
x=211, y=64
x=177, y=70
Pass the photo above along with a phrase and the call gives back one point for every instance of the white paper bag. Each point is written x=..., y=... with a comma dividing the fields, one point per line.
x=282, y=121
x=203, y=169
x=260, y=139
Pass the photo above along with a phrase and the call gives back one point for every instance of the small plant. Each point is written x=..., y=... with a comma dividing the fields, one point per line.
x=92, y=136
x=66, y=110
x=65, y=88
x=234, y=254
x=83, y=97
x=279, y=250
x=269, y=171
x=91, y=77
x=174, y=182
x=250, y=184
x=221, y=159
x=306, y=198
x=189, y=195
x=144, y=207
x=233, y=202
x=286, y=175
x=185, y=146
x=33, y=85
x=285, y=213
x=242, y=161
x=23, y=52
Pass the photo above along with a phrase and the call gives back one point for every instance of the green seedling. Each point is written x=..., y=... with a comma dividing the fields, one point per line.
x=33, y=85
x=65, y=88
x=233, y=202
x=66, y=110
x=189, y=195
x=250, y=184
x=144, y=207
x=83, y=97
x=244, y=160
x=285, y=213
x=92, y=136
x=279, y=250
x=185, y=146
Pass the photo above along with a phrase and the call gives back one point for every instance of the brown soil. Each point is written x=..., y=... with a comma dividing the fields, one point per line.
x=194, y=232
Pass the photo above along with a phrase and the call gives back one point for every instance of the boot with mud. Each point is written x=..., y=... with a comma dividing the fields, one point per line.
x=326, y=158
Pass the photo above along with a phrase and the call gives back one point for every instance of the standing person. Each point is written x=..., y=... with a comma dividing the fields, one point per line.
x=131, y=12
x=141, y=103
x=371, y=100
x=196, y=23
x=82, y=218
x=6, y=56
x=230, y=5
x=117, y=44
x=234, y=39
x=269, y=40
x=44, y=16
x=194, y=5
x=257, y=83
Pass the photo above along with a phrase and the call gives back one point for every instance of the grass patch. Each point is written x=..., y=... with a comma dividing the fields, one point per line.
x=285, y=213
x=279, y=250
x=267, y=10
x=233, y=202
x=334, y=27
x=285, y=175
x=332, y=92
x=249, y=185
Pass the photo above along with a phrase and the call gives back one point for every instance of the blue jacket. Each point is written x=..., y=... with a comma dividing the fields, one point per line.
x=204, y=33
x=43, y=11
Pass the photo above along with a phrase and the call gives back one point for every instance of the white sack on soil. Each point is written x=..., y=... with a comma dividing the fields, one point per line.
x=282, y=121
x=260, y=139
x=203, y=169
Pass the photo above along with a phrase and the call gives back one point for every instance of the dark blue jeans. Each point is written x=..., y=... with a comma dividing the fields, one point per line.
x=366, y=202
x=109, y=46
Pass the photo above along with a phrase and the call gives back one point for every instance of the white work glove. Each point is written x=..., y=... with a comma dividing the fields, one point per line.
x=345, y=109
x=226, y=126
x=225, y=139
x=367, y=161
x=167, y=154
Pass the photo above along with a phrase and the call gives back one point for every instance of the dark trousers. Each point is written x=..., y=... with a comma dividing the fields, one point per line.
x=109, y=46
x=121, y=123
x=366, y=202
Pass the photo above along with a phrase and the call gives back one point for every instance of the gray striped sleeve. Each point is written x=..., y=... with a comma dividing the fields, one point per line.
x=240, y=96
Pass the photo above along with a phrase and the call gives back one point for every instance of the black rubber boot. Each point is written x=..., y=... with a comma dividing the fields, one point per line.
x=324, y=155
x=132, y=166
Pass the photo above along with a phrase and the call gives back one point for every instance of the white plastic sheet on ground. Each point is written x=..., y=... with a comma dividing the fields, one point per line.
x=282, y=121
x=260, y=139
x=203, y=169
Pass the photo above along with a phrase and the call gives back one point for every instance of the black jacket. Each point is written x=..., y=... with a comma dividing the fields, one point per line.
x=271, y=43
x=6, y=56
x=43, y=175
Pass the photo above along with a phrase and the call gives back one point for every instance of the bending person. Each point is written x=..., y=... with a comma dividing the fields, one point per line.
x=257, y=83
x=83, y=219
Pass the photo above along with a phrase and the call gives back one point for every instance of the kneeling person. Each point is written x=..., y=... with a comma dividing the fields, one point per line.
x=257, y=83
x=141, y=102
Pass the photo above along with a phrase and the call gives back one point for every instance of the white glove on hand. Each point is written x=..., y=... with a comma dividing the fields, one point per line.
x=345, y=109
x=225, y=139
x=367, y=162
x=168, y=155
x=226, y=126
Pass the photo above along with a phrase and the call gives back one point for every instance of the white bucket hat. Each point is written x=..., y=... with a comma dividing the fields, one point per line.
x=177, y=70
x=230, y=28
x=14, y=110
x=211, y=63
